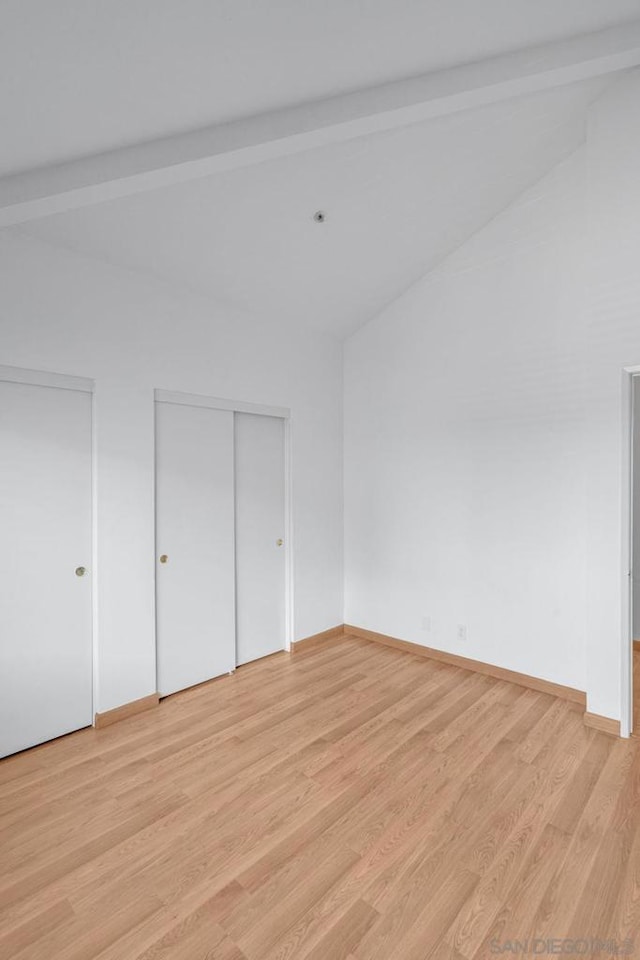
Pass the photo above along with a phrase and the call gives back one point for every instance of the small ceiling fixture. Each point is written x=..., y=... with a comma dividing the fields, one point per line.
x=319, y=216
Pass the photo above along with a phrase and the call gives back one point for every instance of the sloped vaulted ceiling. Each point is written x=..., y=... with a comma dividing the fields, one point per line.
x=395, y=204
x=82, y=77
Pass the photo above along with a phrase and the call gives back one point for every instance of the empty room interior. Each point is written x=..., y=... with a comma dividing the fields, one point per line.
x=319, y=479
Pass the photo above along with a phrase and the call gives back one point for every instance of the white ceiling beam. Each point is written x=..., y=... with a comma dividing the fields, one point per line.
x=159, y=163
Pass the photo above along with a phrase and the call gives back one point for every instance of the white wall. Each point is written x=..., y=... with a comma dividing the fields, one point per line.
x=72, y=315
x=464, y=447
x=484, y=429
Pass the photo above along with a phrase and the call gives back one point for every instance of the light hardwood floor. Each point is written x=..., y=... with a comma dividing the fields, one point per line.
x=350, y=803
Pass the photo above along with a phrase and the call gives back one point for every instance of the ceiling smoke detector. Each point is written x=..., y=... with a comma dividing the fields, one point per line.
x=319, y=216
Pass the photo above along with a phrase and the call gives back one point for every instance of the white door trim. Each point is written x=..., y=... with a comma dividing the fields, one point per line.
x=217, y=403
x=289, y=592
x=42, y=378
x=284, y=413
x=626, y=587
x=63, y=381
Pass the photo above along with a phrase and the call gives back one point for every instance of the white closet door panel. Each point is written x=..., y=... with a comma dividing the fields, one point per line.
x=260, y=570
x=45, y=534
x=194, y=529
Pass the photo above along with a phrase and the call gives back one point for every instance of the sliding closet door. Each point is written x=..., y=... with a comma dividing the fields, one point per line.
x=45, y=564
x=195, y=545
x=260, y=571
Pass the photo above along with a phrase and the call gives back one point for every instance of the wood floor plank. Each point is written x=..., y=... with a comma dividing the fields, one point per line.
x=503, y=853
x=32, y=930
x=352, y=803
x=162, y=930
x=346, y=934
x=568, y=882
x=81, y=938
x=625, y=922
x=257, y=940
x=26, y=880
x=513, y=918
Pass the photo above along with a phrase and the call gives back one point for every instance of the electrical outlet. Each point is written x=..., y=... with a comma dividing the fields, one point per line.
x=426, y=624
x=462, y=633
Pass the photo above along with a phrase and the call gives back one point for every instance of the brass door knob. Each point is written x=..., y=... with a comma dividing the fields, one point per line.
x=279, y=542
x=164, y=558
x=80, y=571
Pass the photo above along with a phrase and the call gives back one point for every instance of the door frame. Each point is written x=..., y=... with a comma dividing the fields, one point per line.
x=63, y=381
x=282, y=413
x=629, y=375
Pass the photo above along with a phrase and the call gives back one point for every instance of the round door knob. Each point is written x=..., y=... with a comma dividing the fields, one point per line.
x=164, y=558
x=279, y=542
x=80, y=571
